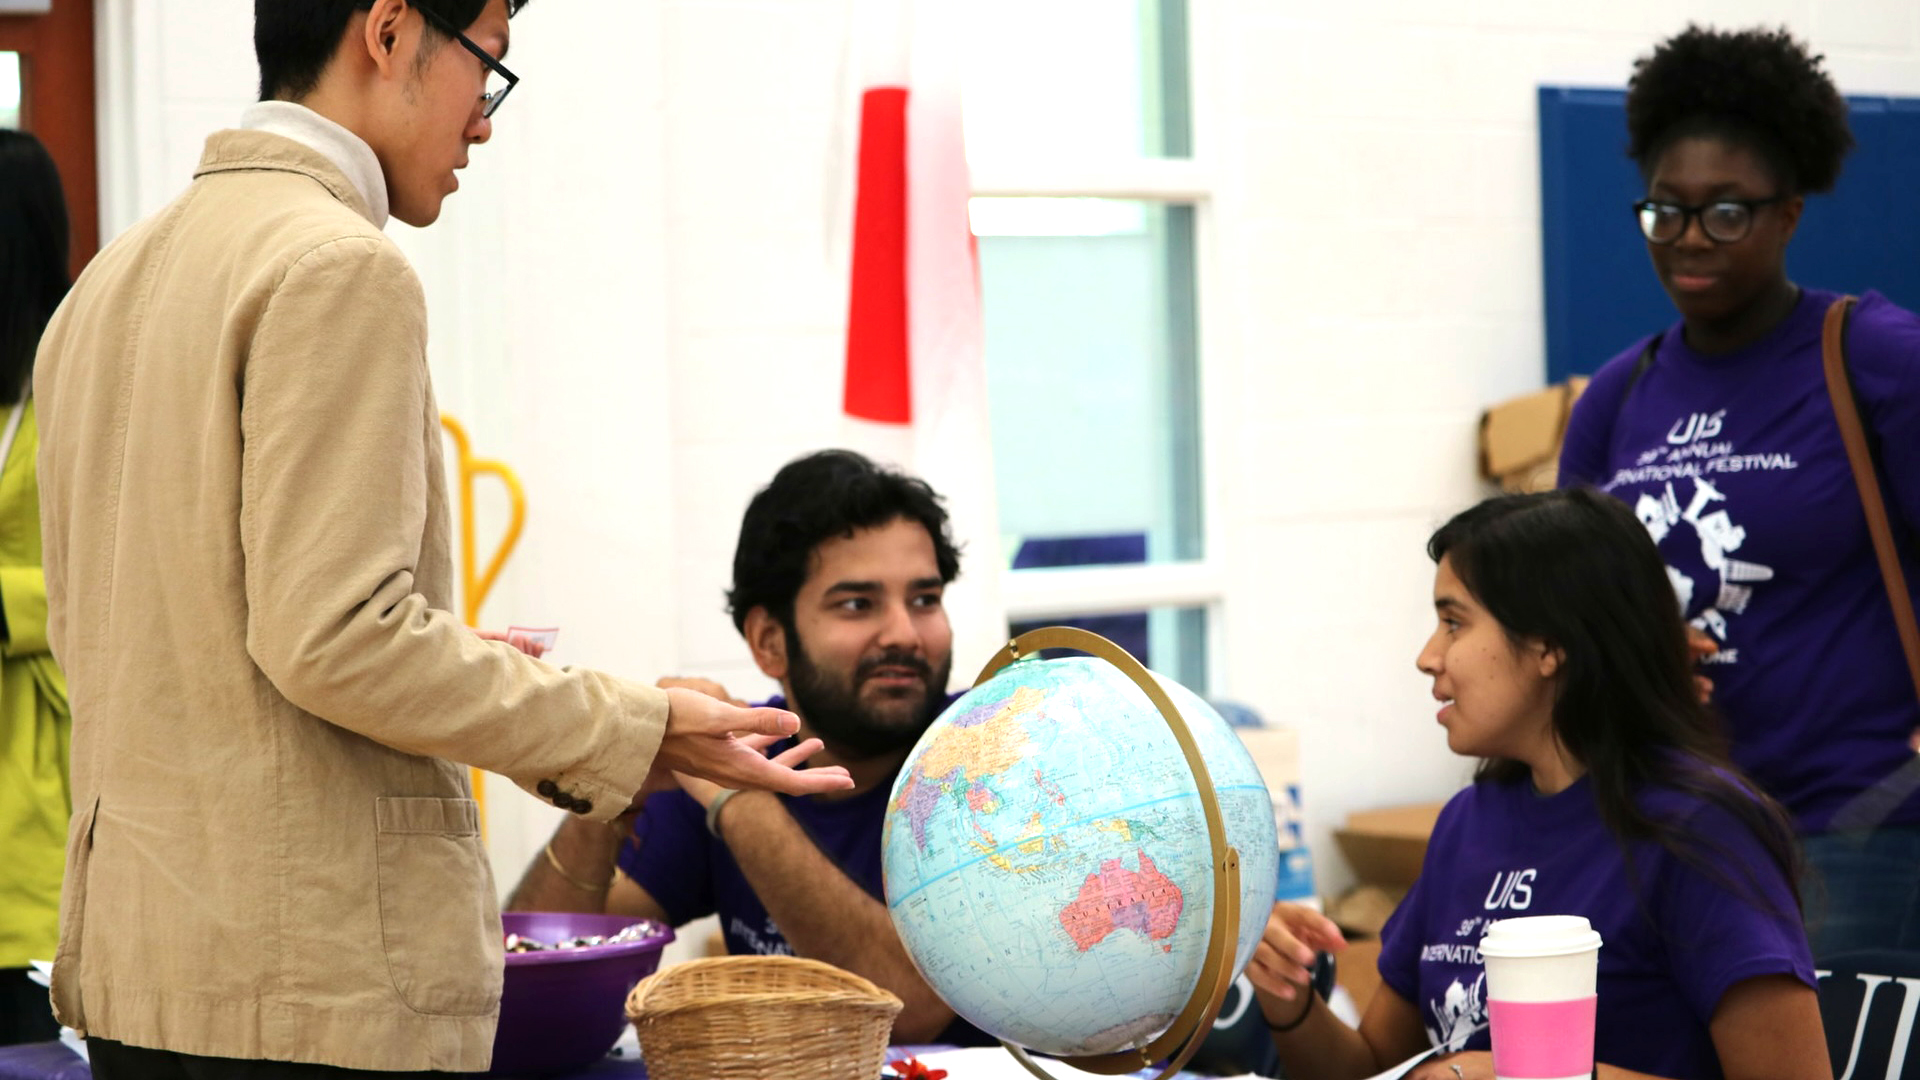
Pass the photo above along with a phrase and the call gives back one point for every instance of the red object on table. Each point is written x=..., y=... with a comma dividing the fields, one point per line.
x=909, y=1068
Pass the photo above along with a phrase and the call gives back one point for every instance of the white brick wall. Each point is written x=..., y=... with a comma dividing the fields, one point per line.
x=634, y=305
x=1383, y=259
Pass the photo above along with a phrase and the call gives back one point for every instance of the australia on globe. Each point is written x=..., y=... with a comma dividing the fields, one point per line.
x=1047, y=861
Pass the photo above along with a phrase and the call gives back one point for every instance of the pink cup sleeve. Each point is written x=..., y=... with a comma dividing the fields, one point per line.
x=1534, y=1040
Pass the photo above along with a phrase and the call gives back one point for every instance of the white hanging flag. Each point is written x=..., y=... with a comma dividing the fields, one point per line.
x=916, y=390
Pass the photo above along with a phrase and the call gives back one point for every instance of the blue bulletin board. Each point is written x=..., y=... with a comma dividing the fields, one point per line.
x=1601, y=293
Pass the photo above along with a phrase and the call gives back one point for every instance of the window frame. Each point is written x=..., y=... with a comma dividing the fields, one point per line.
x=1060, y=592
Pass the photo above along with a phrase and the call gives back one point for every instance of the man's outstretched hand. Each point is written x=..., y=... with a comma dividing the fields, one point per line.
x=713, y=740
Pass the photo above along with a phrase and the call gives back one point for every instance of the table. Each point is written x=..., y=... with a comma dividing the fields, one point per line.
x=42, y=1061
x=53, y=1061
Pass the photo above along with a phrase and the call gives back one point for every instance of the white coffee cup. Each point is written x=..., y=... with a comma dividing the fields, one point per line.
x=1541, y=996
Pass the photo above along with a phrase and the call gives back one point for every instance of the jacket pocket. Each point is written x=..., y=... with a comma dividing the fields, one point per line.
x=438, y=920
x=73, y=915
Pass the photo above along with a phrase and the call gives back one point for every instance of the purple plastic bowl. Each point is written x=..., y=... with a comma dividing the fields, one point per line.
x=564, y=1009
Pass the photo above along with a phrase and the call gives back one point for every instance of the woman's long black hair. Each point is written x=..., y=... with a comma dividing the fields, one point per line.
x=1575, y=569
x=34, y=243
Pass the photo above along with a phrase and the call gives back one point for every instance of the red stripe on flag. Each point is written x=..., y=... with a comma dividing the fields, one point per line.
x=878, y=385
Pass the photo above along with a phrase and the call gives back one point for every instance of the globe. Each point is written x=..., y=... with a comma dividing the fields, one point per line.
x=1048, y=864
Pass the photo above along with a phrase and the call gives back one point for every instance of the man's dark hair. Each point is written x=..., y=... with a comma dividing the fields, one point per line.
x=813, y=499
x=1759, y=89
x=294, y=39
x=34, y=244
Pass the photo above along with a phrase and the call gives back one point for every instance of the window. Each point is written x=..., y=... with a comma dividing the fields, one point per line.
x=10, y=90
x=1090, y=354
x=1170, y=640
x=1091, y=212
x=1077, y=80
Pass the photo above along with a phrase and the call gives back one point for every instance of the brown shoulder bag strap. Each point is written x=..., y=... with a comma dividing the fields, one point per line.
x=1871, y=807
x=1847, y=411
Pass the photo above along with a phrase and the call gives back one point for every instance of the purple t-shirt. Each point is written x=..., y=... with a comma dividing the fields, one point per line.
x=673, y=857
x=1674, y=938
x=1736, y=466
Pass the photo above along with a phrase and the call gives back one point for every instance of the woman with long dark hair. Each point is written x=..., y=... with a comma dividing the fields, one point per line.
x=34, y=722
x=1719, y=432
x=1603, y=791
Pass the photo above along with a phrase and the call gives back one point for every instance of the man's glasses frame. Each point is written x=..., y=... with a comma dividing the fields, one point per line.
x=490, y=102
x=1734, y=218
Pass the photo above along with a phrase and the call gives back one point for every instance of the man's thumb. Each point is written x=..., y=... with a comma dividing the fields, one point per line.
x=766, y=721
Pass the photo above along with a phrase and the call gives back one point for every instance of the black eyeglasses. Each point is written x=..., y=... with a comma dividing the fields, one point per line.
x=500, y=82
x=1725, y=221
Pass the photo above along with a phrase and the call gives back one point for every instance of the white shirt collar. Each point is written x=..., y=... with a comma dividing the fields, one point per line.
x=347, y=151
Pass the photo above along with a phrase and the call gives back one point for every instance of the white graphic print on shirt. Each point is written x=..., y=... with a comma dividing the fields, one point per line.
x=1461, y=1009
x=1691, y=455
x=1457, y=1015
x=1719, y=537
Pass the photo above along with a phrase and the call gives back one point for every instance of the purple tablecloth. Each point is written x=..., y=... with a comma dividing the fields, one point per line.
x=42, y=1061
x=53, y=1061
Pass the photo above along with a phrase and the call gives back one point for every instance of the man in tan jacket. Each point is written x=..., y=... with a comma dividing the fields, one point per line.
x=273, y=856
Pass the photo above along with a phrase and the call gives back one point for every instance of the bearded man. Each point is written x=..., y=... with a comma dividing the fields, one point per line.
x=837, y=583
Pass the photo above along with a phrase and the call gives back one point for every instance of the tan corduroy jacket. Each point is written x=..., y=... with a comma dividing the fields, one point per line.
x=273, y=854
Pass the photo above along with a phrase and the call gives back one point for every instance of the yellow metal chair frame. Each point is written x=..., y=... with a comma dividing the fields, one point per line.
x=474, y=588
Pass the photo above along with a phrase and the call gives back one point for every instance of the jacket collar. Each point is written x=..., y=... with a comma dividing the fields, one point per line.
x=338, y=160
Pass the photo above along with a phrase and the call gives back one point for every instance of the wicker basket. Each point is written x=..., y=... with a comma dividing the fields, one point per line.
x=761, y=1018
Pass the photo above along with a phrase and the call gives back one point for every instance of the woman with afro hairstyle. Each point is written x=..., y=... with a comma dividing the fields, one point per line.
x=1718, y=431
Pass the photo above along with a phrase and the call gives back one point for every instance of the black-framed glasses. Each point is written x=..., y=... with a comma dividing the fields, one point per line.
x=500, y=81
x=1725, y=221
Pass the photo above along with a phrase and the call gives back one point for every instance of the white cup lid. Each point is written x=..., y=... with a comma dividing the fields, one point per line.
x=1539, y=935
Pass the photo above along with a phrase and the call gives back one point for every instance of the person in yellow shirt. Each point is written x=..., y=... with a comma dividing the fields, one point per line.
x=34, y=722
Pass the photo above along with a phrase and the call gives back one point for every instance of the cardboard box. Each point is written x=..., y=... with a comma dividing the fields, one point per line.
x=1363, y=910
x=1520, y=438
x=1358, y=969
x=1276, y=753
x=1385, y=847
